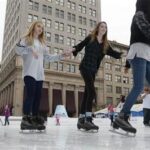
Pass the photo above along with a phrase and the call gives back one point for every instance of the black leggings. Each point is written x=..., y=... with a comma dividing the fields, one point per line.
x=33, y=96
x=89, y=91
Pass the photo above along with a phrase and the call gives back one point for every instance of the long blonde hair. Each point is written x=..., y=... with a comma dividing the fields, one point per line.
x=94, y=34
x=30, y=33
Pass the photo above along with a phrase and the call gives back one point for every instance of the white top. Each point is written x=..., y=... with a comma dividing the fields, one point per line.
x=119, y=107
x=31, y=66
x=140, y=50
x=146, y=101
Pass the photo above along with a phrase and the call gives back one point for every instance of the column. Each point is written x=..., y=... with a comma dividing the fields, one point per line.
x=64, y=94
x=18, y=97
x=50, y=96
x=76, y=99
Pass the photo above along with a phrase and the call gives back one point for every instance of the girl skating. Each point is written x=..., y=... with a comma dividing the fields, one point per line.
x=33, y=50
x=96, y=47
x=139, y=58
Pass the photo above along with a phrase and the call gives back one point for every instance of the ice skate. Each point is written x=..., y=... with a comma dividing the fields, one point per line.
x=122, y=122
x=89, y=125
x=80, y=124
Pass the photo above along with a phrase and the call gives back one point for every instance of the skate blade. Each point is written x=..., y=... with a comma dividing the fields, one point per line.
x=88, y=131
x=124, y=133
x=31, y=131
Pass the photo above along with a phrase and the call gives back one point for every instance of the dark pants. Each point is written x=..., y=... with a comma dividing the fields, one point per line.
x=89, y=92
x=33, y=96
x=6, y=120
x=146, y=116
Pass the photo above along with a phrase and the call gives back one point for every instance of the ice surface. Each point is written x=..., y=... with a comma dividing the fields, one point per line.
x=67, y=137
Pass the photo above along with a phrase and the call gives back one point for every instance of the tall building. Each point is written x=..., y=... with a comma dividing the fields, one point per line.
x=66, y=22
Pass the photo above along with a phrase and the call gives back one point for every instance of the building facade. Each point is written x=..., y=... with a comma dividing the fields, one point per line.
x=66, y=22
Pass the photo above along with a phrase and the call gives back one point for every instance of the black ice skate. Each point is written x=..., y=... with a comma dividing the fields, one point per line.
x=122, y=121
x=39, y=122
x=80, y=124
x=89, y=125
x=30, y=123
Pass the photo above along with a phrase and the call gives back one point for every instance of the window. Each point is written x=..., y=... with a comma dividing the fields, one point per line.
x=49, y=10
x=109, y=100
x=92, y=12
x=108, y=66
x=60, y=66
x=117, y=68
x=71, y=5
x=71, y=17
x=92, y=2
x=59, y=26
x=82, y=9
x=48, y=36
x=59, y=13
x=44, y=21
x=82, y=32
x=71, y=41
x=29, y=18
x=59, y=39
x=125, y=80
x=55, y=66
x=36, y=6
x=56, y=51
x=35, y=17
x=48, y=23
x=33, y=5
x=107, y=57
x=125, y=91
x=131, y=80
x=73, y=68
x=108, y=77
x=118, y=78
x=92, y=23
x=109, y=88
x=44, y=9
x=118, y=90
x=68, y=68
x=60, y=2
x=30, y=4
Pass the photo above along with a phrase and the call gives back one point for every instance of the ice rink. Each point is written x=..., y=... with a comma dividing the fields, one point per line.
x=67, y=137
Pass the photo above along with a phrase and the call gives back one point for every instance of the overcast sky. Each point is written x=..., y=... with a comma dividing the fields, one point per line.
x=117, y=13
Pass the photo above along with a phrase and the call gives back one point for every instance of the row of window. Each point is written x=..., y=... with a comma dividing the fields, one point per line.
x=118, y=78
x=71, y=17
x=108, y=66
x=118, y=90
x=60, y=67
x=60, y=13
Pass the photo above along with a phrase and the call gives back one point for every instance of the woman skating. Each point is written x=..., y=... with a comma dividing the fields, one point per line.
x=96, y=47
x=33, y=50
x=139, y=58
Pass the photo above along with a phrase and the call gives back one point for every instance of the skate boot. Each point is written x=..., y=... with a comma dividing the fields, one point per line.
x=89, y=125
x=80, y=124
x=122, y=121
x=26, y=123
x=38, y=121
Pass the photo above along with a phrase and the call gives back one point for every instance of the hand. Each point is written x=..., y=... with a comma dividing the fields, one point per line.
x=35, y=55
x=126, y=70
x=67, y=53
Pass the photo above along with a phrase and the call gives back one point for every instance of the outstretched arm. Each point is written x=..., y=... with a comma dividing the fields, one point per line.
x=81, y=45
x=52, y=58
x=22, y=48
x=114, y=53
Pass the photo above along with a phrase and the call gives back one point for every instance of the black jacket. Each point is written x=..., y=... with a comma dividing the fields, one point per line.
x=140, y=30
x=93, y=54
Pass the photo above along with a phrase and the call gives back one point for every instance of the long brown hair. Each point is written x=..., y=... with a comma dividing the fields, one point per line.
x=30, y=33
x=94, y=34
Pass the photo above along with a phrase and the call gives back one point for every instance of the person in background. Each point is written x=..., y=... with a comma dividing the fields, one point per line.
x=7, y=114
x=111, y=112
x=145, y=96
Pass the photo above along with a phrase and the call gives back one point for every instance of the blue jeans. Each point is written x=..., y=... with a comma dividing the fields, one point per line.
x=141, y=71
